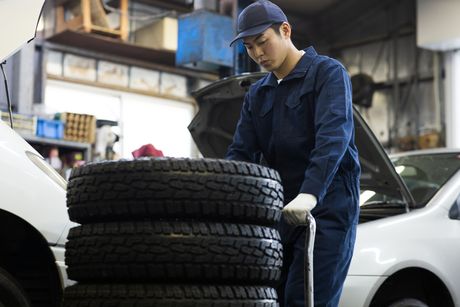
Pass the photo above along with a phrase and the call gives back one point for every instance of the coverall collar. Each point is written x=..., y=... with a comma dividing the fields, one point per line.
x=299, y=70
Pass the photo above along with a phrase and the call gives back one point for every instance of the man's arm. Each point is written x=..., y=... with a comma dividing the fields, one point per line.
x=244, y=146
x=334, y=128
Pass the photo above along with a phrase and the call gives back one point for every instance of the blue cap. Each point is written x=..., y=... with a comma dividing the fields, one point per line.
x=258, y=17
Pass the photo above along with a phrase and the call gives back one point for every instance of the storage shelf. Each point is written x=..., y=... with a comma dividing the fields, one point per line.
x=102, y=44
x=84, y=147
x=176, y=5
x=121, y=89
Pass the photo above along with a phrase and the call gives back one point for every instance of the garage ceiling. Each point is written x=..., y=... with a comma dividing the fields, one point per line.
x=305, y=7
x=326, y=22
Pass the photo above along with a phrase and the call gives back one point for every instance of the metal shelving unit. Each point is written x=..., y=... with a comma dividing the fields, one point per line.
x=85, y=148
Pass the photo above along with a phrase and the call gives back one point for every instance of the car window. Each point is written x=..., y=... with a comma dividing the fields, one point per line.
x=425, y=174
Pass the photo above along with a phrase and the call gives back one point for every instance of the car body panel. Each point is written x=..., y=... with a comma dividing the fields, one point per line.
x=423, y=238
x=18, y=24
x=59, y=255
x=360, y=290
x=26, y=191
x=32, y=193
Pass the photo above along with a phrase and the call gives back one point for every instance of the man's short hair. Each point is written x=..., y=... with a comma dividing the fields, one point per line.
x=276, y=27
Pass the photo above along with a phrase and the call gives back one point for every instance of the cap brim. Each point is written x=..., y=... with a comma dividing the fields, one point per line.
x=250, y=32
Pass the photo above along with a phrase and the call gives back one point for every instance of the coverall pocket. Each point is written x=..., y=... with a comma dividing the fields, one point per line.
x=297, y=120
x=265, y=107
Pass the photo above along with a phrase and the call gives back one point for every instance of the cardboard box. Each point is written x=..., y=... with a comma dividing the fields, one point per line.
x=161, y=34
x=173, y=85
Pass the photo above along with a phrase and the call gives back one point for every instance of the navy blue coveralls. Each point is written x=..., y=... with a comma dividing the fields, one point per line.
x=303, y=127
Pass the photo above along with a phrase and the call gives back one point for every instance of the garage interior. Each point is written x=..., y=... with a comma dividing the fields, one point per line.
x=400, y=87
x=116, y=80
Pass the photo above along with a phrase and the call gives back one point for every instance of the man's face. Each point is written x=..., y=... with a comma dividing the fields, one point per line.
x=268, y=49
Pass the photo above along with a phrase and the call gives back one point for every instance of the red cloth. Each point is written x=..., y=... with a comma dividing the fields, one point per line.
x=147, y=150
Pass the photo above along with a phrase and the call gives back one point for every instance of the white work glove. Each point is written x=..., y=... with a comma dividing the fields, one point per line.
x=295, y=213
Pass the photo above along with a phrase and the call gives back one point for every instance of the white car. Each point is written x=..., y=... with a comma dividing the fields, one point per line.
x=408, y=239
x=407, y=253
x=33, y=214
x=33, y=226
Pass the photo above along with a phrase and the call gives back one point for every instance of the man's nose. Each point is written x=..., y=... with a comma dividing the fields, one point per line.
x=258, y=52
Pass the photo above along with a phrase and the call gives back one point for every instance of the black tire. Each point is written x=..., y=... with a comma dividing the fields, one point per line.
x=11, y=292
x=203, y=189
x=137, y=295
x=412, y=287
x=408, y=302
x=175, y=251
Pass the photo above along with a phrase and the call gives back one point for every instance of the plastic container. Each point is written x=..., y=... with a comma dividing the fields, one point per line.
x=203, y=41
x=53, y=129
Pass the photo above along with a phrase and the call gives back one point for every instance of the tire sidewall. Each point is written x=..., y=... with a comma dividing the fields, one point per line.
x=408, y=302
x=11, y=292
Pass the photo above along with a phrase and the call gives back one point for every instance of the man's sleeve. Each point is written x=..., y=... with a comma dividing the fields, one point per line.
x=244, y=146
x=333, y=129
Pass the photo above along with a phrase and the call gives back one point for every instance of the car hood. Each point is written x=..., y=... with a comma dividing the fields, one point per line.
x=219, y=109
x=18, y=21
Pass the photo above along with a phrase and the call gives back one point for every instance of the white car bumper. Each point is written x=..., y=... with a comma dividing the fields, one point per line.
x=359, y=290
x=59, y=253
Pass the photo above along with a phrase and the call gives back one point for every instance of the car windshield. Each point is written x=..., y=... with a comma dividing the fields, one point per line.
x=423, y=174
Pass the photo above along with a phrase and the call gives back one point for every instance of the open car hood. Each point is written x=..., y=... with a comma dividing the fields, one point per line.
x=18, y=21
x=219, y=109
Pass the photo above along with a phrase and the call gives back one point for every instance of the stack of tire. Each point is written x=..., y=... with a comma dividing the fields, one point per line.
x=173, y=232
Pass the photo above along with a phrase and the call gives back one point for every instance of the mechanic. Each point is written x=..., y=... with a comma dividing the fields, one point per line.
x=298, y=119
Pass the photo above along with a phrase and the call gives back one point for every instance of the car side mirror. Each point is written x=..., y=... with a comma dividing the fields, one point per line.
x=454, y=212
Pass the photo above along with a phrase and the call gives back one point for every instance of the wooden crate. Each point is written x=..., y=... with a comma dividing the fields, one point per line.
x=79, y=127
x=430, y=139
x=90, y=17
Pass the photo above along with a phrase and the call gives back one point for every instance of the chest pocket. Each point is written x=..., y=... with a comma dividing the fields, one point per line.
x=297, y=112
x=265, y=106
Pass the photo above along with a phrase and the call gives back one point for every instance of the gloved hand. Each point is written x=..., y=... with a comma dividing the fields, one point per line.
x=295, y=213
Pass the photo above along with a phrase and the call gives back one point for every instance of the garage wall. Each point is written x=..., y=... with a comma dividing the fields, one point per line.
x=68, y=97
x=158, y=121
x=378, y=38
x=142, y=119
x=410, y=110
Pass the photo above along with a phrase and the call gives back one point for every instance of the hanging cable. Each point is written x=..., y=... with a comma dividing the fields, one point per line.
x=7, y=94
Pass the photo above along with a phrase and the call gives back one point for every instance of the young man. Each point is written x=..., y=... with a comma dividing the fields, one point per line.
x=299, y=118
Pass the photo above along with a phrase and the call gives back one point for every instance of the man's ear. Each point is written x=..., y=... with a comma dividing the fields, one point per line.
x=285, y=30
